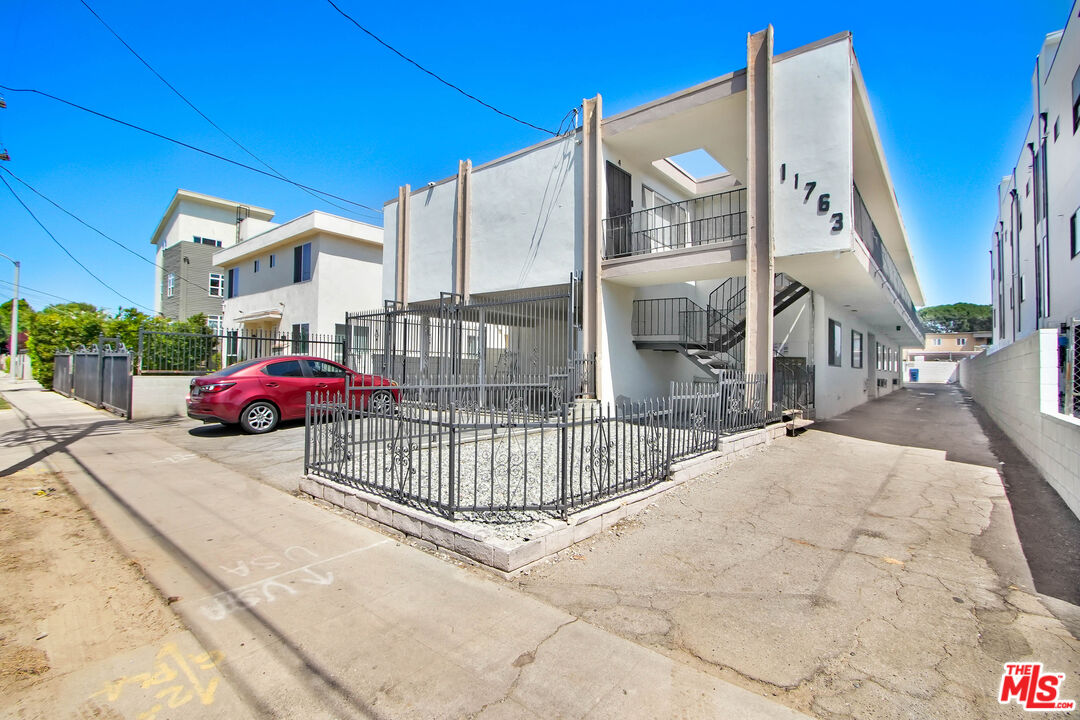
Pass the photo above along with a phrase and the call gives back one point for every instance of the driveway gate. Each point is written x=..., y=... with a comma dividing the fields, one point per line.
x=99, y=375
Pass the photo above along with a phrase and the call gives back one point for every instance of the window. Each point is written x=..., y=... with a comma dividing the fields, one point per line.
x=214, y=323
x=170, y=285
x=273, y=261
x=1023, y=289
x=323, y=369
x=836, y=344
x=1076, y=100
x=285, y=368
x=961, y=341
x=301, y=263
x=880, y=350
x=217, y=285
x=1074, y=241
x=300, y=337
x=1057, y=122
x=256, y=266
x=936, y=341
x=856, y=349
x=206, y=241
x=233, y=288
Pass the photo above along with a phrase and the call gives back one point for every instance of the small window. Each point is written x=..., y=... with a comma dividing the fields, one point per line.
x=1057, y=131
x=214, y=323
x=285, y=368
x=1076, y=100
x=836, y=344
x=1074, y=241
x=206, y=241
x=1023, y=289
x=323, y=369
x=170, y=285
x=936, y=341
x=856, y=349
x=273, y=261
x=300, y=338
x=961, y=341
x=256, y=266
x=1027, y=188
x=302, y=263
x=233, y=288
x=217, y=285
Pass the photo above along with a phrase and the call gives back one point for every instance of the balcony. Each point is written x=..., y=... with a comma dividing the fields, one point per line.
x=718, y=219
x=868, y=234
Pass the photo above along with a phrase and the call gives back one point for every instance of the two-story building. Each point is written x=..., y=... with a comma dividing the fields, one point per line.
x=599, y=246
x=1035, y=245
x=193, y=228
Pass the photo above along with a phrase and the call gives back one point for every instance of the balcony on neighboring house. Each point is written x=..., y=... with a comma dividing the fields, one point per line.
x=711, y=220
x=871, y=239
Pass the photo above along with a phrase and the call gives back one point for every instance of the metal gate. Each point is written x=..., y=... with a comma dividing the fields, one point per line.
x=99, y=375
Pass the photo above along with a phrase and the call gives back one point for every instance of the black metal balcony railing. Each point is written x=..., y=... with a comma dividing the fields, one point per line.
x=712, y=219
x=868, y=233
x=676, y=318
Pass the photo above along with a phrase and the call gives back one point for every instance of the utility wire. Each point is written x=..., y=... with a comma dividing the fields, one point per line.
x=66, y=251
x=33, y=291
x=204, y=116
x=189, y=146
x=78, y=219
x=447, y=83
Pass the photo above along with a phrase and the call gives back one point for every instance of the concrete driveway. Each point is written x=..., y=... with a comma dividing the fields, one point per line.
x=869, y=568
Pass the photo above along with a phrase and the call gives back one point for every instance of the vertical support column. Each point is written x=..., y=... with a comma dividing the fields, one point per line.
x=592, y=214
x=462, y=230
x=760, y=265
x=401, y=266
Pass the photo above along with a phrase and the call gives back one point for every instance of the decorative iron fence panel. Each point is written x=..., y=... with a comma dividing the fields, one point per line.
x=63, y=380
x=1070, y=369
x=182, y=353
x=488, y=450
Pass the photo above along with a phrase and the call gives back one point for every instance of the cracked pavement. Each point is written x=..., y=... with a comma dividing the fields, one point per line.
x=869, y=568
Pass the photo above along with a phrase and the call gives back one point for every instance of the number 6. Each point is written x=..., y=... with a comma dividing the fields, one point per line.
x=823, y=203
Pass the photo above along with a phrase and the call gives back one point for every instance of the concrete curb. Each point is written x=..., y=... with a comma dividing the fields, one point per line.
x=546, y=537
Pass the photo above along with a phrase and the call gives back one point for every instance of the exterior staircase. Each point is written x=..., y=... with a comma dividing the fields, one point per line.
x=713, y=337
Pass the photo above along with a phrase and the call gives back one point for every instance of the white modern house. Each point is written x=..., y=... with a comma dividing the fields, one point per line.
x=1035, y=246
x=791, y=254
x=302, y=276
x=192, y=229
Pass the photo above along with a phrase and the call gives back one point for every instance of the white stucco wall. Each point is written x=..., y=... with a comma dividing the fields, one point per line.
x=935, y=372
x=431, y=248
x=389, y=254
x=1017, y=386
x=196, y=219
x=812, y=136
x=526, y=225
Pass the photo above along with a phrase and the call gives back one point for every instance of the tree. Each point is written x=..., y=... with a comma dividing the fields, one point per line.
x=26, y=313
x=66, y=325
x=958, y=317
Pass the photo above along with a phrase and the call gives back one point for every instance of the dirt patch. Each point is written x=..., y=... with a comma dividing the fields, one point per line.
x=71, y=598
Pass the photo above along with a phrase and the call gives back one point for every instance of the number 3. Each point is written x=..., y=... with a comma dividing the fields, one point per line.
x=838, y=221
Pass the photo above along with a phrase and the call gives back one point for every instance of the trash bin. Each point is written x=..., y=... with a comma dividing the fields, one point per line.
x=913, y=374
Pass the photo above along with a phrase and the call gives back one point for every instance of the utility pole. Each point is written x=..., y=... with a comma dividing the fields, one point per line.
x=13, y=341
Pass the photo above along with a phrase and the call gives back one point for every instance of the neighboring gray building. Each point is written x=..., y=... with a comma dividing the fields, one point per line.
x=192, y=229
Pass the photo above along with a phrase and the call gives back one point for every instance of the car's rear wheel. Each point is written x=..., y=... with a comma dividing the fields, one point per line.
x=259, y=417
x=381, y=403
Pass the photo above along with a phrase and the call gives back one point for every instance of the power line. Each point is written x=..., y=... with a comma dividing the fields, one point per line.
x=78, y=219
x=203, y=115
x=66, y=251
x=34, y=291
x=189, y=146
x=447, y=83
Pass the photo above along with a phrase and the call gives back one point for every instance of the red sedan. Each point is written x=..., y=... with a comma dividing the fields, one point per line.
x=259, y=394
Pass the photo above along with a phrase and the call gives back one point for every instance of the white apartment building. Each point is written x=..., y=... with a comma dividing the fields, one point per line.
x=192, y=229
x=299, y=278
x=1035, y=247
x=792, y=254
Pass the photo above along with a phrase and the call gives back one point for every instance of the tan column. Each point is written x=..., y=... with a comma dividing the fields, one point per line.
x=401, y=264
x=461, y=229
x=759, y=241
x=592, y=216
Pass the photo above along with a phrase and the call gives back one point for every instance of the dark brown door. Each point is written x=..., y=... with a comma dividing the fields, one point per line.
x=619, y=205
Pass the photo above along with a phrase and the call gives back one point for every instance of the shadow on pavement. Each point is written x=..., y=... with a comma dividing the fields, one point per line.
x=220, y=430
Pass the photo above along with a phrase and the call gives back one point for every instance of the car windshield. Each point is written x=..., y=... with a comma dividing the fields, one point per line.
x=225, y=372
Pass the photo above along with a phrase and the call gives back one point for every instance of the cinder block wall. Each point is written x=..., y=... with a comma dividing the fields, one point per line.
x=1018, y=388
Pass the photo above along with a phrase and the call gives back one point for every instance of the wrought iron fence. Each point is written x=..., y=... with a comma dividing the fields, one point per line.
x=487, y=460
x=99, y=375
x=183, y=353
x=1069, y=369
x=712, y=219
x=501, y=338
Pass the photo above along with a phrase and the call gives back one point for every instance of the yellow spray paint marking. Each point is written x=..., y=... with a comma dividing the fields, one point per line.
x=187, y=678
x=893, y=561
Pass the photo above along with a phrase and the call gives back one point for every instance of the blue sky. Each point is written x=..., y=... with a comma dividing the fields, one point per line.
x=328, y=107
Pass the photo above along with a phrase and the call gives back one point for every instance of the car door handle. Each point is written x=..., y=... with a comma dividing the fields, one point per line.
x=271, y=384
x=320, y=385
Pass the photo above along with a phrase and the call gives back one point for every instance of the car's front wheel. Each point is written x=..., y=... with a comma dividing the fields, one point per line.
x=381, y=403
x=259, y=417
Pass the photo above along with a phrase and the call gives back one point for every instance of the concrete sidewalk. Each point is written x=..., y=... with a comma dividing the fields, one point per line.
x=316, y=616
